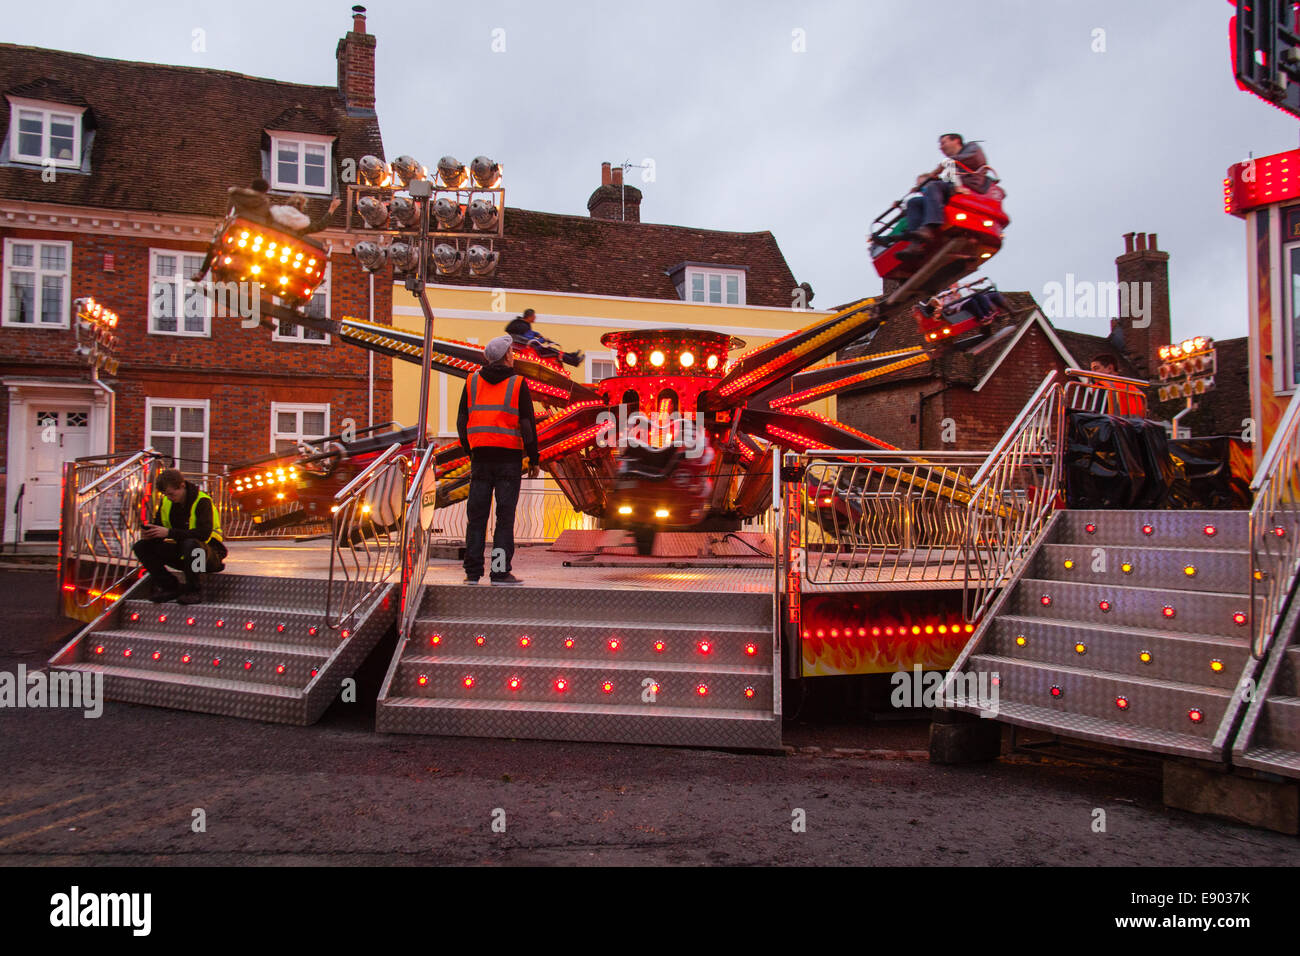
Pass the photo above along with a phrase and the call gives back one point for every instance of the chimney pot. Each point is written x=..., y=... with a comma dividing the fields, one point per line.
x=1141, y=242
x=1128, y=242
x=358, y=19
x=618, y=176
x=604, y=174
x=1151, y=243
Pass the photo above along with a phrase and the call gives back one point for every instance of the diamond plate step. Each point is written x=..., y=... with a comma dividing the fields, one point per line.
x=644, y=724
x=1152, y=706
x=1133, y=652
x=1098, y=730
x=314, y=665
x=1197, y=612
x=1287, y=683
x=1168, y=529
x=1226, y=571
x=577, y=605
x=1279, y=725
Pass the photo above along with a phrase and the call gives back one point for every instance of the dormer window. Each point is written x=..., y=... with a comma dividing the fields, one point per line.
x=705, y=282
x=300, y=162
x=41, y=133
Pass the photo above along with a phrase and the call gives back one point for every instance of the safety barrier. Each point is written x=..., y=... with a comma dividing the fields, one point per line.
x=104, y=501
x=540, y=517
x=1274, y=530
x=366, y=535
x=415, y=543
x=1111, y=394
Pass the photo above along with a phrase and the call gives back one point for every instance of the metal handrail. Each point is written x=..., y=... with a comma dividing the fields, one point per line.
x=1014, y=495
x=1093, y=391
x=366, y=546
x=1275, y=530
x=415, y=545
x=112, y=472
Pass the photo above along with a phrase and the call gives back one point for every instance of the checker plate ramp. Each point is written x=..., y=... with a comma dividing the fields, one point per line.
x=256, y=648
x=1269, y=738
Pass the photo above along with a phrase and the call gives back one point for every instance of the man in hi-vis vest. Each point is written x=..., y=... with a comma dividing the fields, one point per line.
x=497, y=429
x=186, y=534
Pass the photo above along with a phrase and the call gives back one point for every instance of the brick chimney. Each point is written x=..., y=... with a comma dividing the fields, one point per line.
x=1143, y=263
x=356, y=57
x=614, y=200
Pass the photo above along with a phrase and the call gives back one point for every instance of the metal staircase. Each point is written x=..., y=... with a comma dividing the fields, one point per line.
x=1129, y=628
x=257, y=648
x=621, y=664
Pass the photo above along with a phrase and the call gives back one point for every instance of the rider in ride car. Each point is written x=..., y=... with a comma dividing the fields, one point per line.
x=925, y=211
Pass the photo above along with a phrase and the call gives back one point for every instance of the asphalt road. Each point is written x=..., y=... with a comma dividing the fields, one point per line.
x=124, y=788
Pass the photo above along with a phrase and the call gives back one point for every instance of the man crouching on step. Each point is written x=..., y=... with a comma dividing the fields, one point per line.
x=185, y=534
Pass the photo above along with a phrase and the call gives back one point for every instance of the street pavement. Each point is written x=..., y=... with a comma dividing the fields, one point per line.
x=128, y=788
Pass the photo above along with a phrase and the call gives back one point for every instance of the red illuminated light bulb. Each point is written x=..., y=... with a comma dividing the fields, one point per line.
x=704, y=647
x=156, y=655
x=280, y=668
x=608, y=687
x=659, y=646
x=185, y=658
x=561, y=684
x=468, y=681
x=613, y=643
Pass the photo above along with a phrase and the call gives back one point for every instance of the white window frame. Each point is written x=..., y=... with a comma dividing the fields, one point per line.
x=37, y=272
x=180, y=330
x=692, y=271
x=592, y=357
x=48, y=111
x=301, y=141
x=178, y=404
x=299, y=408
x=299, y=338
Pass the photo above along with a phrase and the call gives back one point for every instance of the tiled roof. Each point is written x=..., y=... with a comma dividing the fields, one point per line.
x=559, y=253
x=168, y=139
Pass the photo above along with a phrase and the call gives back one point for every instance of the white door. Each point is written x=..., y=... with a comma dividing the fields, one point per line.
x=55, y=434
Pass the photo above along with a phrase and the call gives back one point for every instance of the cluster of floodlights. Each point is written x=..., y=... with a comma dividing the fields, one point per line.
x=457, y=204
x=1187, y=368
x=99, y=326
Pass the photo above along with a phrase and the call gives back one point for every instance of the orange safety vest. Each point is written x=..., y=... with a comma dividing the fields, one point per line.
x=1126, y=399
x=494, y=414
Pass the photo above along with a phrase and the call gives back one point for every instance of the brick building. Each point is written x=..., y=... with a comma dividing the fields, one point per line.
x=113, y=177
x=965, y=401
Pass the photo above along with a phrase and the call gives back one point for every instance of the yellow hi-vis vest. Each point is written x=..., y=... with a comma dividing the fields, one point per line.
x=216, y=515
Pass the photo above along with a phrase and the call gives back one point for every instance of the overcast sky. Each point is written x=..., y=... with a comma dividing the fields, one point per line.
x=748, y=133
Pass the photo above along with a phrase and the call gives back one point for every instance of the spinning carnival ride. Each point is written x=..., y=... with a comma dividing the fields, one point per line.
x=682, y=436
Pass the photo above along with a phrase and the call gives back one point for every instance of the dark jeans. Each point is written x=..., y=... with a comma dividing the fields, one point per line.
x=157, y=554
x=927, y=208
x=488, y=478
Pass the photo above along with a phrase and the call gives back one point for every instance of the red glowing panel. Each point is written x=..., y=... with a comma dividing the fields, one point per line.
x=480, y=640
x=513, y=683
x=248, y=625
x=1239, y=618
x=568, y=642
x=751, y=649
x=1090, y=528
x=1045, y=600
x=608, y=687
x=127, y=653
x=1195, y=715
x=862, y=632
x=435, y=639
x=561, y=684
x=705, y=647
x=1148, y=530
x=345, y=634
x=1056, y=690
x=659, y=646
x=156, y=655
x=313, y=672
x=248, y=665
x=135, y=615
x=219, y=623
x=1279, y=532
x=1121, y=703
x=749, y=692
x=280, y=668
x=422, y=680
x=162, y=618
x=467, y=680
x=185, y=658
x=875, y=632
x=613, y=643
x=216, y=662
x=190, y=621
x=279, y=629
x=702, y=689
x=1210, y=530
x=1167, y=610
x=525, y=641
x=312, y=631
x=1103, y=605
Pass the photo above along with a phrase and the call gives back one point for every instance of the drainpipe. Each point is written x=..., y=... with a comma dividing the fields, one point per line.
x=112, y=406
x=370, y=374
